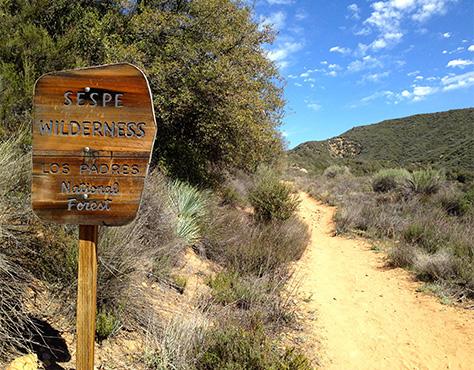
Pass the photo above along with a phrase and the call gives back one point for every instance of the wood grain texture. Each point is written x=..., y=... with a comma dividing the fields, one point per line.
x=86, y=297
x=91, y=143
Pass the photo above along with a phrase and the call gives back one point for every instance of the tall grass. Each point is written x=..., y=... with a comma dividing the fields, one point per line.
x=189, y=206
x=426, y=182
x=15, y=323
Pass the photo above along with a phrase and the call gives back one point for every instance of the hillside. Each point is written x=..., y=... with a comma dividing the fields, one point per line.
x=444, y=139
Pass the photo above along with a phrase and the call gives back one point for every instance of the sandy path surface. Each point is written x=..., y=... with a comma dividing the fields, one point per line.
x=368, y=316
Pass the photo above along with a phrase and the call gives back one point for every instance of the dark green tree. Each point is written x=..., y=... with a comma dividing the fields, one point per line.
x=217, y=97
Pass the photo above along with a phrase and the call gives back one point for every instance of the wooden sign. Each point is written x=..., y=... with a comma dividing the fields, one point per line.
x=93, y=133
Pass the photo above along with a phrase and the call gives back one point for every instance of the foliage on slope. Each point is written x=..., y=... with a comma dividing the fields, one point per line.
x=217, y=97
x=441, y=140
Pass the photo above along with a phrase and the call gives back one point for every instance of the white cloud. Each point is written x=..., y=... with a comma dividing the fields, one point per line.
x=387, y=18
x=417, y=94
x=314, y=106
x=301, y=14
x=457, y=50
x=332, y=73
x=379, y=44
x=471, y=48
x=334, y=66
x=324, y=62
x=454, y=82
x=298, y=84
x=428, y=8
x=414, y=73
x=419, y=78
x=423, y=91
x=376, y=77
x=280, y=2
x=354, y=10
x=446, y=35
x=363, y=32
x=460, y=63
x=403, y=4
x=366, y=62
x=445, y=52
x=281, y=53
x=340, y=49
x=275, y=20
x=379, y=94
x=304, y=75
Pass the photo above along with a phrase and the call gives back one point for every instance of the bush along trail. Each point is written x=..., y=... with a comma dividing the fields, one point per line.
x=366, y=315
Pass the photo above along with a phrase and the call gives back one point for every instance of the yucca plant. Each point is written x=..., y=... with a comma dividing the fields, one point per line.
x=190, y=207
x=426, y=182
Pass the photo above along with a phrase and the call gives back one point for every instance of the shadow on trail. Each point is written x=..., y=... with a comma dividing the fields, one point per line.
x=48, y=344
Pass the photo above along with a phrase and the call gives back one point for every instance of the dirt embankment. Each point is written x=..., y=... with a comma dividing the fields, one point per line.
x=365, y=315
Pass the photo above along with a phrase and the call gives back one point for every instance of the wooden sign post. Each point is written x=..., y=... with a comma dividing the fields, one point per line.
x=93, y=133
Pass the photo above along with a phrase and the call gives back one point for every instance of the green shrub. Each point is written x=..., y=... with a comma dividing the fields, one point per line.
x=402, y=255
x=335, y=170
x=271, y=198
x=456, y=204
x=256, y=249
x=235, y=348
x=425, y=182
x=230, y=196
x=107, y=324
x=423, y=236
x=189, y=205
x=389, y=179
x=229, y=287
x=469, y=196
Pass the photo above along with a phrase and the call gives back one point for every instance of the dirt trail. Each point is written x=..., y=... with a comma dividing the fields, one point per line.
x=368, y=316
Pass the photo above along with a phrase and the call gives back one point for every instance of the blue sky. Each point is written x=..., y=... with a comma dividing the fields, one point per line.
x=348, y=63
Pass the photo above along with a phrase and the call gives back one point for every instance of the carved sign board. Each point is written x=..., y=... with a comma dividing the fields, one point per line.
x=93, y=133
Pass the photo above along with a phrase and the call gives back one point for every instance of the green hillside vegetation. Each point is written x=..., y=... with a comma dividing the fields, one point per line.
x=438, y=140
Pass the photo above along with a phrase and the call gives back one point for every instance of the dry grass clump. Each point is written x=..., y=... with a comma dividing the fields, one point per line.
x=15, y=322
x=335, y=170
x=175, y=343
x=232, y=347
x=430, y=220
x=247, y=247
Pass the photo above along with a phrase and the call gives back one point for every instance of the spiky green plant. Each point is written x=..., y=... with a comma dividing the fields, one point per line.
x=190, y=207
x=426, y=182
